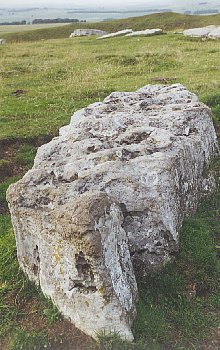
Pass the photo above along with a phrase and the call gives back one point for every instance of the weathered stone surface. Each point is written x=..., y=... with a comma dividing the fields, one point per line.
x=119, y=33
x=212, y=32
x=215, y=33
x=107, y=198
x=87, y=32
x=2, y=41
x=146, y=32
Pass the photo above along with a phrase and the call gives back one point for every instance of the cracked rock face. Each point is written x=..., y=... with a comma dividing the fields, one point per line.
x=105, y=200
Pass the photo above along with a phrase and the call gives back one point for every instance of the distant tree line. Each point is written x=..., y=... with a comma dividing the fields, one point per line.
x=15, y=23
x=43, y=21
x=201, y=12
x=56, y=20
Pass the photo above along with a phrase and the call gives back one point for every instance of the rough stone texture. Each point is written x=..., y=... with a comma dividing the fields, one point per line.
x=87, y=32
x=212, y=32
x=215, y=33
x=107, y=198
x=2, y=41
x=120, y=33
x=146, y=32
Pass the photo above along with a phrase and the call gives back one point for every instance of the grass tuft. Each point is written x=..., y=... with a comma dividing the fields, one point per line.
x=23, y=340
x=51, y=312
x=213, y=101
x=3, y=188
x=25, y=155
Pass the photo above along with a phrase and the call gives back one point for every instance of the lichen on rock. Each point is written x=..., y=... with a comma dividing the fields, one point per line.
x=105, y=200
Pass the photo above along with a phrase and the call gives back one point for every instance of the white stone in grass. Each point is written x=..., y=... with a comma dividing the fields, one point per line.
x=87, y=32
x=212, y=32
x=215, y=33
x=119, y=33
x=146, y=32
x=197, y=32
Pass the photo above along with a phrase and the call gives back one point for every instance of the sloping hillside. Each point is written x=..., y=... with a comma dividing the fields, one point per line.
x=167, y=21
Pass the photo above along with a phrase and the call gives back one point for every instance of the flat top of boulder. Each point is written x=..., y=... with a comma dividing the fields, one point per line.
x=122, y=128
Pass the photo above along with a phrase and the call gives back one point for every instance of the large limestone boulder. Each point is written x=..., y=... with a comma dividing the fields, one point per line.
x=87, y=32
x=105, y=201
x=211, y=32
x=146, y=32
x=198, y=32
x=119, y=33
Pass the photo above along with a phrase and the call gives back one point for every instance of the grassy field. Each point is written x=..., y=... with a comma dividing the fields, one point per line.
x=45, y=82
x=26, y=27
x=42, y=83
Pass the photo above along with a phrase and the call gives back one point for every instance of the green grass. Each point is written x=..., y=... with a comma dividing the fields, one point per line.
x=51, y=312
x=213, y=101
x=3, y=188
x=23, y=340
x=58, y=77
x=25, y=155
x=26, y=27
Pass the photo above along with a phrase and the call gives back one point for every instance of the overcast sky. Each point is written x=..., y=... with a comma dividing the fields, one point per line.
x=72, y=3
x=91, y=3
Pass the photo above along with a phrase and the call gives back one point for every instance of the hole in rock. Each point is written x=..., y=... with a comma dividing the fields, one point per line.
x=83, y=267
x=37, y=260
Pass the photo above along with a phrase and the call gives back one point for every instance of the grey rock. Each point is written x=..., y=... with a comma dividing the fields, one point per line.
x=215, y=33
x=146, y=32
x=119, y=33
x=105, y=201
x=197, y=32
x=211, y=32
x=87, y=32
